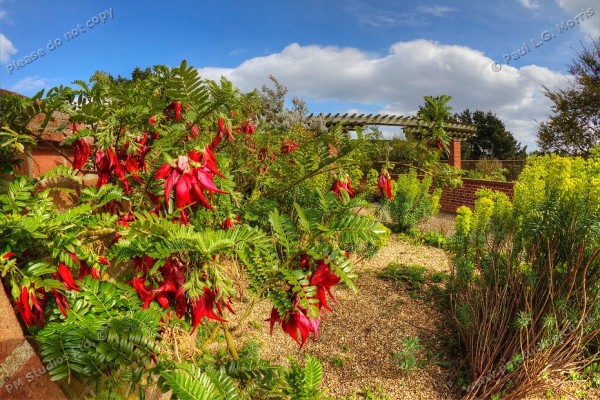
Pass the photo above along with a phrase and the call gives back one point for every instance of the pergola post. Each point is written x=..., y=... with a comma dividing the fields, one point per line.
x=454, y=156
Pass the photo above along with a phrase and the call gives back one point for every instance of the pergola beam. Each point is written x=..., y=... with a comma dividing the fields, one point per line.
x=455, y=130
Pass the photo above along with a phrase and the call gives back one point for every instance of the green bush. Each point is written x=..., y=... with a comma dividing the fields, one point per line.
x=526, y=281
x=412, y=201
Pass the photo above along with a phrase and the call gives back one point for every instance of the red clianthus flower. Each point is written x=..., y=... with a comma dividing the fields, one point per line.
x=288, y=146
x=203, y=306
x=194, y=131
x=323, y=279
x=385, y=184
x=24, y=307
x=107, y=163
x=293, y=322
x=229, y=223
x=81, y=152
x=64, y=276
x=7, y=255
x=249, y=127
x=140, y=287
x=61, y=302
x=151, y=120
x=189, y=184
x=346, y=186
x=177, y=109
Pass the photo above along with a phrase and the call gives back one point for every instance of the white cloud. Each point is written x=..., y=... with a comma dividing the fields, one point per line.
x=589, y=25
x=531, y=4
x=29, y=84
x=398, y=80
x=7, y=49
x=437, y=10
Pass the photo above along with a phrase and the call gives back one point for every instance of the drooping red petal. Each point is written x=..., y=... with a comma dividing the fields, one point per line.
x=81, y=153
x=7, y=255
x=61, y=302
x=194, y=155
x=131, y=165
x=210, y=161
x=182, y=192
x=180, y=304
x=171, y=181
x=65, y=275
x=206, y=182
x=163, y=171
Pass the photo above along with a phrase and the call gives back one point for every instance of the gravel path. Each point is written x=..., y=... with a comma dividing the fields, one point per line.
x=357, y=340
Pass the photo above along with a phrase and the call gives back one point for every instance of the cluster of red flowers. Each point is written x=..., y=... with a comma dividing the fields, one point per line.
x=170, y=291
x=385, y=184
x=297, y=320
x=288, y=146
x=191, y=177
x=346, y=186
x=31, y=301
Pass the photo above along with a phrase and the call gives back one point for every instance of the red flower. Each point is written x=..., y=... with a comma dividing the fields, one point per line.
x=228, y=224
x=203, y=306
x=61, y=302
x=249, y=127
x=140, y=287
x=109, y=163
x=346, y=186
x=177, y=109
x=323, y=279
x=194, y=131
x=288, y=146
x=293, y=322
x=151, y=120
x=64, y=276
x=81, y=152
x=24, y=307
x=385, y=185
x=7, y=255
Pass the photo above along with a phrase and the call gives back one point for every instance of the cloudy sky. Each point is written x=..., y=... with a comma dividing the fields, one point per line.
x=340, y=56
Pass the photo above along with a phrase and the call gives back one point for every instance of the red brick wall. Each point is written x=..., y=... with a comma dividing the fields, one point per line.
x=465, y=196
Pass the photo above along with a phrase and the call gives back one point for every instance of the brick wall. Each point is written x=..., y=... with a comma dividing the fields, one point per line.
x=465, y=196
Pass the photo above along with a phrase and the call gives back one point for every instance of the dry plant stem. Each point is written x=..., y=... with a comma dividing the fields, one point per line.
x=230, y=343
x=212, y=337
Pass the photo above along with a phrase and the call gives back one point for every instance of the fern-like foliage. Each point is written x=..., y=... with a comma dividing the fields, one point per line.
x=105, y=331
x=304, y=382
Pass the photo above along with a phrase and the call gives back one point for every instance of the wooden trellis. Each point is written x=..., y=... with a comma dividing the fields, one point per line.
x=409, y=124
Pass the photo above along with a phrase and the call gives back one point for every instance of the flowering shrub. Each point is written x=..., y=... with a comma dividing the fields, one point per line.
x=527, y=274
x=191, y=192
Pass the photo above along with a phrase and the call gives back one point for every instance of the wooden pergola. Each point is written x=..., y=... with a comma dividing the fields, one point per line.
x=409, y=124
x=457, y=131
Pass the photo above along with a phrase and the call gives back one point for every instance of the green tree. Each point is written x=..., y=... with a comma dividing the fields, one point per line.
x=574, y=125
x=492, y=139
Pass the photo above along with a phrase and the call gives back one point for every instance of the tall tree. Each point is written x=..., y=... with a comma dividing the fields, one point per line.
x=574, y=125
x=492, y=139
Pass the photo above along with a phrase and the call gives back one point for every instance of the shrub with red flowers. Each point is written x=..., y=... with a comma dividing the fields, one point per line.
x=191, y=192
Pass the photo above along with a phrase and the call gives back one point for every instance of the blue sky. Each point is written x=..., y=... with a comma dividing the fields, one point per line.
x=355, y=55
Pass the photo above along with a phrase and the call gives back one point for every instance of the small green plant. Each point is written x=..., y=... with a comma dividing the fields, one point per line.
x=413, y=201
x=435, y=239
x=337, y=362
x=413, y=276
x=407, y=358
